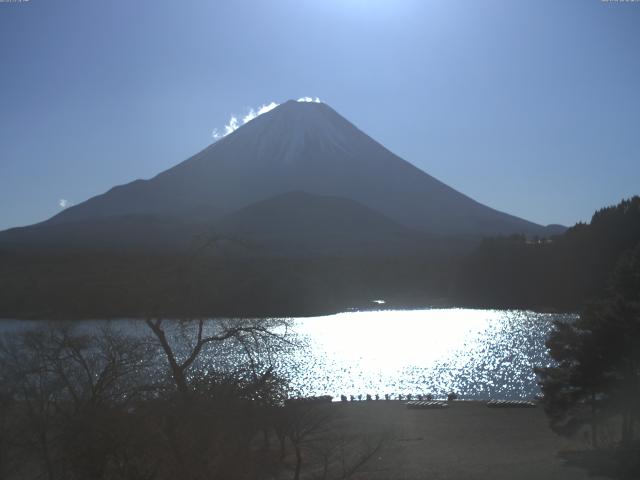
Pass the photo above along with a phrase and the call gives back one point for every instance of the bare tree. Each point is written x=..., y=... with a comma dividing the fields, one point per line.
x=322, y=448
x=243, y=332
x=63, y=384
x=304, y=423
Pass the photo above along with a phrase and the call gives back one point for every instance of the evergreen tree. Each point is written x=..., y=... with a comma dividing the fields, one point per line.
x=597, y=372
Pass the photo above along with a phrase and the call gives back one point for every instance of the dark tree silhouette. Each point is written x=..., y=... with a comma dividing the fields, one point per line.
x=562, y=272
x=242, y=331
x=190, y=399
x=597, y=375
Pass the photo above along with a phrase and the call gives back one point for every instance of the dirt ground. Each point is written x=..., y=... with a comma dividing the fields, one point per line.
x=467, y=440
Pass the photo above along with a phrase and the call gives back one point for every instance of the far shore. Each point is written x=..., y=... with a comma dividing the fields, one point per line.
x=374, y=307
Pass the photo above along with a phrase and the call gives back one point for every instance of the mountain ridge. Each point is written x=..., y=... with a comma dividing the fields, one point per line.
x=305, y=147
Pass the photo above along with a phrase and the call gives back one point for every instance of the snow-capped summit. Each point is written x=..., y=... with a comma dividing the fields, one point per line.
x=290, y=127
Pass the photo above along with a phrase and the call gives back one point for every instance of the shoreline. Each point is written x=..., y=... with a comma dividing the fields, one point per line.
x=304, y=315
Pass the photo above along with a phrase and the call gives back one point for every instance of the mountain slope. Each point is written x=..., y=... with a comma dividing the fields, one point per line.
x=298, y=223
x=116, y=233
x=301, y=147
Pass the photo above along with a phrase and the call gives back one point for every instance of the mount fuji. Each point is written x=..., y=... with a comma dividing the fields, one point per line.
x=303, y=147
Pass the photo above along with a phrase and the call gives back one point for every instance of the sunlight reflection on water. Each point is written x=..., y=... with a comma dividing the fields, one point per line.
x=477, y=353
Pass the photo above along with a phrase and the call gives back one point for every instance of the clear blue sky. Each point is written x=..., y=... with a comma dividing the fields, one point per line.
x=531, y=107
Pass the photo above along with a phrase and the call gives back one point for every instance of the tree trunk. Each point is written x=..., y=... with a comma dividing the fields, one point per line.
x=594, y=420
x=627, y=426
x=282, y=439
x=296, y=475
x=46, y=456
x=177, y=372
x=171, y=434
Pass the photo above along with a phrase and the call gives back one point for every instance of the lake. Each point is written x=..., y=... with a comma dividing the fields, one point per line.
x=478, y=354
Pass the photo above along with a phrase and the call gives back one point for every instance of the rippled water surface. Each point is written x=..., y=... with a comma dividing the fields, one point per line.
x=476, y=353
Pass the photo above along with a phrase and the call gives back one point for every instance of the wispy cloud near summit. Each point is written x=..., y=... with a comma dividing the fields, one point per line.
x=255, y=113
x=309, y=100
x=233, y=124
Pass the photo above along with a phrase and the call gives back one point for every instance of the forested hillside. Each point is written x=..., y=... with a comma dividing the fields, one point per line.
x=557, y=273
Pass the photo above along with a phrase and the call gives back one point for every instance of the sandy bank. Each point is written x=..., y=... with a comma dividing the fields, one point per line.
x=465, y=441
